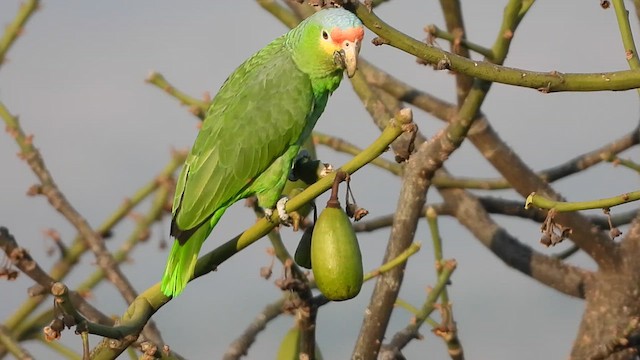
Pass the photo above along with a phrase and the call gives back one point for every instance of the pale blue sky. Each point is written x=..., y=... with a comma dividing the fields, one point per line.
x=76, y=78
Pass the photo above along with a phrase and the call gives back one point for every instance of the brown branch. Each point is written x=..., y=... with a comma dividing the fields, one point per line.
x=489, y=143
x=62, y=267
x=381, y=110
x=595, y=243
x=419, y=169
x=58, y=201
x=628, y=339
x=550, y=271
x=240, y=346
x=22, y=260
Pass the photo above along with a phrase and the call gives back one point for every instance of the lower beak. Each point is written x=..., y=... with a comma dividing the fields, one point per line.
x=349, y=53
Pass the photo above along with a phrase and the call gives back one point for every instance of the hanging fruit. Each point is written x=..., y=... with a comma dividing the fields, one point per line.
x=335, y=253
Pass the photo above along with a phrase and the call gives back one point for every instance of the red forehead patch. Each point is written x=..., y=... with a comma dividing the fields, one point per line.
x=352, y=34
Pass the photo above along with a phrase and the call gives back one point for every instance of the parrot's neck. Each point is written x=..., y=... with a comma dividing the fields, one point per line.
x=326, y=84
x=311, y=59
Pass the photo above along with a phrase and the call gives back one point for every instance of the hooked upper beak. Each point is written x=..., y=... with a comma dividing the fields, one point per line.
x=349, y=56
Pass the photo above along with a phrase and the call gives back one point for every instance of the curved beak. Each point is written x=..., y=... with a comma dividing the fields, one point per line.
x=349, y=56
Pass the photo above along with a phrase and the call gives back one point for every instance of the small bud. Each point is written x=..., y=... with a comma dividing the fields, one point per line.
x=360, y=213
x=265, y=272
x=615, y=232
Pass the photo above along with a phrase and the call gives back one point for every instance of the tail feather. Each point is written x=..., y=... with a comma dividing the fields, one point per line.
x=182, y=262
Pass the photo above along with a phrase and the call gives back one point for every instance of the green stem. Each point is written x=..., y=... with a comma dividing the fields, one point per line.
x=631, y=53
x=429, y=305
x=564, y=206
x=627, y=163
x=62, y=350
x=552, y=81
x=196, y=106
x=622, y=15
x=16, y=27
x=432, y=221
x=12, y=345
x=415, y=311
x=346, y=147
x=403, y=257
x=438, y=33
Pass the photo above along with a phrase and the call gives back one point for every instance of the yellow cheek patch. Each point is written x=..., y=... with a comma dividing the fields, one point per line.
x=329, y=47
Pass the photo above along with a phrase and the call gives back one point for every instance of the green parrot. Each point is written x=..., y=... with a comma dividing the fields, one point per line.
x=254, y=128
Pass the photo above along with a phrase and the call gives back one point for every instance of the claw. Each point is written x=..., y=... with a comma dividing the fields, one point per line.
x=268, y=213
x=285, y=219
x=282, y=213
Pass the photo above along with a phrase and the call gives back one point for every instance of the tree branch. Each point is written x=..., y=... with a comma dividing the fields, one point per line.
x=550, y=271
x=548, y=82
x=152, y=299
x=16, y=28
x=240, y=346
x=58, y=201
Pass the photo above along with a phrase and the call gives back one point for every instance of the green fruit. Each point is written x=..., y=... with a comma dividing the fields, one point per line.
x=303, y=251
x=290, y=346
x=335, y=255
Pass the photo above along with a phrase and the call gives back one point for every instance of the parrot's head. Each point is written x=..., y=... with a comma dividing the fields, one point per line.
x=328, y=41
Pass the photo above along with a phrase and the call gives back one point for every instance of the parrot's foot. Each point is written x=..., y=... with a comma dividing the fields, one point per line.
x=285, y=219
x=282, y=213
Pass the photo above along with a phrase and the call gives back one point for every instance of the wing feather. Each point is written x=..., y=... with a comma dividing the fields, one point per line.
x=260, y=111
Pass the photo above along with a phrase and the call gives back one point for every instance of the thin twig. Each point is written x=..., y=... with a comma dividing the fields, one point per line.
x=16, y=28
x=240, y=346
x=58, y=201
x=12, y=345
x=410, y=332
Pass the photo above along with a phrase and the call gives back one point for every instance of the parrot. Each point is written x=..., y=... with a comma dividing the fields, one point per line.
x=254, y=128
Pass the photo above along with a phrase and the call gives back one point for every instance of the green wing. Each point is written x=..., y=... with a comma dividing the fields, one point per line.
x=260, y=111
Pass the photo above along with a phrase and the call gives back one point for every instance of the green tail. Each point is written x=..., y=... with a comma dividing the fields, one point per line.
x=182, y=262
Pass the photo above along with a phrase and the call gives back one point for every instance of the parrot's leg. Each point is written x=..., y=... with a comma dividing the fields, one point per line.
x=269, y=185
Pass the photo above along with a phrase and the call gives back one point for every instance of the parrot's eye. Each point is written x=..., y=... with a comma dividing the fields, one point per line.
x=325, y=35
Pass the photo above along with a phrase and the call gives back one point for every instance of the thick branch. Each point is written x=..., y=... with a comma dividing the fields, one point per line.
x=550, y=271
x=552, y=81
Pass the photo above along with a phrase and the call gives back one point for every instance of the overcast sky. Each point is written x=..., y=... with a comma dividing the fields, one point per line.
x=76, y=78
